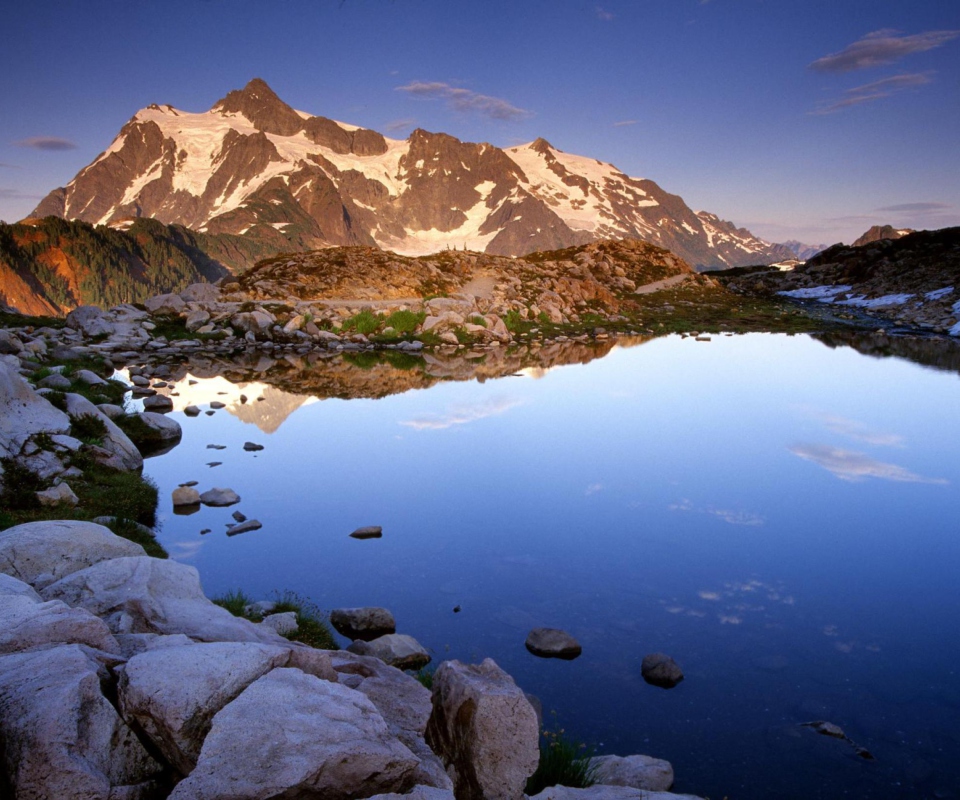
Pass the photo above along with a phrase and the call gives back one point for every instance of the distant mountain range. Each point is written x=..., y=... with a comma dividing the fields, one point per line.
x=254, y=167
x=804, y=251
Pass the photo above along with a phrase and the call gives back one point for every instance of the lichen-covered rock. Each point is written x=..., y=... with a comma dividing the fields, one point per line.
x=62, y=738
x=336, y=745
x=40, y=553
x=484, y=729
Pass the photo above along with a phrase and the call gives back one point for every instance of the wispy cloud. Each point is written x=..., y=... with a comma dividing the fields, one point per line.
x=879, y=48
x=625, y=122
x=398, y=125
x=605, y=15
x=848, y=465
x=8, y=166
x=860, y=432
x=593, y=488
x=17, y=194
x=876, y=90
x=731, y=517
x=461, y=415
x=918, y=208
x=47, y=143
x=465, y=100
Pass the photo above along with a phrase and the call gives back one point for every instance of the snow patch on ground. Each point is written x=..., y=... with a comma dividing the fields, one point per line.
x=939, y=294
x=825, y=294
x=875, y=302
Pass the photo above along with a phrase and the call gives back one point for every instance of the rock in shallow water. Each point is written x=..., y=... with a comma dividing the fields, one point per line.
x=368, y=622
x=219, y=497
x=368, y=532
x=396, y=649
x=640, y=772
x=661, y=670
x=553, y=643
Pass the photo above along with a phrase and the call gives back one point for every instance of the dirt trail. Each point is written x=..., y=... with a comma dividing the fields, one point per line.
x=666, y=283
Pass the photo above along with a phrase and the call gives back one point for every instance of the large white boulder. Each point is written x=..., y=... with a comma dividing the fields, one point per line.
x=173, y=693
x=201, y=293
x=152, y=595
x=165, y=304
x=403, y=702
x=61, y=736
x=292, y=735
x=123, y=454
x=40, y=553
x=14, y=587
x=91, y=320
x=26, y=624
x=24, y=413
x=640, y=772
x=484, y=729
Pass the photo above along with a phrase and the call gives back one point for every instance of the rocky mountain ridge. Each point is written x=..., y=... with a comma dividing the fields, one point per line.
x=254, y=166
x=50, y=266
x=878, y=233
x=912, y=280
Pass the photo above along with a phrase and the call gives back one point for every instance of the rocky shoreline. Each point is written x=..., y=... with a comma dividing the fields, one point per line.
x=121, y=680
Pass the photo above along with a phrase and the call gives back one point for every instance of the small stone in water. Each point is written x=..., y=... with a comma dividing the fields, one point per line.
x=369, y=532
x=252, y=447
x=239, y=516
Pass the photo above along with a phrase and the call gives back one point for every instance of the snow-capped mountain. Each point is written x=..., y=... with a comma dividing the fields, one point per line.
x=253, y=165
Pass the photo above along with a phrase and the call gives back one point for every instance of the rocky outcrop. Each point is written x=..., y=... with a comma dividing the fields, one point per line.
x=365, y=623
x=640, y=772
x=396, y=649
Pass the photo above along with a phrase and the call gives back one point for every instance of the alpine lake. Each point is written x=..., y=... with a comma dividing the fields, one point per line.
x=780, y=514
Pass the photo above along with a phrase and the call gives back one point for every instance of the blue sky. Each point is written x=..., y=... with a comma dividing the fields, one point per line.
x=796, y=118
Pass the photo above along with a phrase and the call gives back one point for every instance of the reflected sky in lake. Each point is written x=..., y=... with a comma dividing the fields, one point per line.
x=779, y=516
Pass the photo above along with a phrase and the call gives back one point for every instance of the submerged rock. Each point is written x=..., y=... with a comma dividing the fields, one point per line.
x=553, y=643
x=661, y=670
x=219, y=497
x=368, y=532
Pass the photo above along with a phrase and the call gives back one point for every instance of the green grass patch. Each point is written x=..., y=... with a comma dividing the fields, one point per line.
x=405, y=322
x=424, y=676
x=365, y=322
x=563, y=762
x=8, y=320
x=101, y=491
x=88, y=429
x=235, y=602
x=311, y=621
x=128, y=529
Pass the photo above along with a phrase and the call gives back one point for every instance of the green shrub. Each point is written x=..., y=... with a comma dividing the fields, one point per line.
x=235, y=602
x=311, y=623
x=424, y=676
x=404, y=322
x=20, y=487
x=128, y=529
x=563, y=762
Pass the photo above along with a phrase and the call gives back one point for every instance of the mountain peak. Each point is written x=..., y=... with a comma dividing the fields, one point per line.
x=541, y=145
x=261, y=105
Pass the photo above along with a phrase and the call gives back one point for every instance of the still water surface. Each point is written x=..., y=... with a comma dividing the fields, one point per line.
x=779, y=516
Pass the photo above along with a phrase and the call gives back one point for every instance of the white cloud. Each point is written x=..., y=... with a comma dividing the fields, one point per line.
x=461, y=415
x=848, y=465
x=465, y=100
